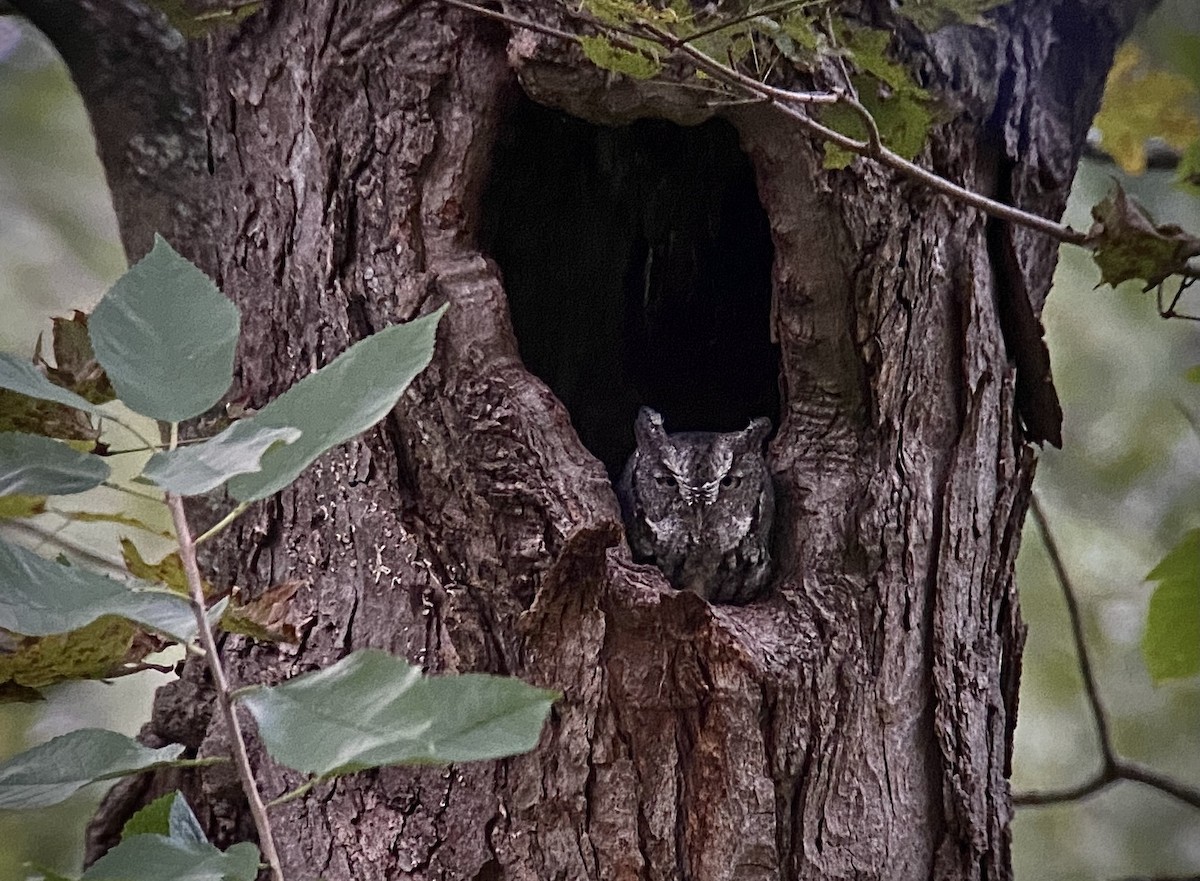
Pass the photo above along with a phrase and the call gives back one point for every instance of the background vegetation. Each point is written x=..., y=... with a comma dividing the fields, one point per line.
x=1123, y=490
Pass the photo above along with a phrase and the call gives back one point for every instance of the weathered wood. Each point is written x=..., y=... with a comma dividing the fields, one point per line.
x=859, y=722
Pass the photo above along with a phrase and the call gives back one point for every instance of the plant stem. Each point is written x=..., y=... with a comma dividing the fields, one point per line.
x=786, y=102
x=237, y=741
x=296, y=793
x=1114, y=767
x=146, y=497
x=785, y=6
x=222, y=523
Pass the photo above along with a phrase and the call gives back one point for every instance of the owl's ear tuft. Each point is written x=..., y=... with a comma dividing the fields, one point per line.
x=648, y=429
x=756, y=433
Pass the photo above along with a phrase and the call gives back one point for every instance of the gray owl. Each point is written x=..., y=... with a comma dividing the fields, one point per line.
x=699, y=505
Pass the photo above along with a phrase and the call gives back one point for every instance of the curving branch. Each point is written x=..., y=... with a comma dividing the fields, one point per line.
x=1114, y=767
x=790, y=104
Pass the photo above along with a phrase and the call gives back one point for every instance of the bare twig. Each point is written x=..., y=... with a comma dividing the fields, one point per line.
x=717, y=27
x=1086, y=671
x=293, y=794
x=237, y=740
x=71, y=546
x=786, y=102
x=222, y=523
x=145, y=497
x=1114, y=766
x=874, y=141
x=1169, y=311
x=527, y=24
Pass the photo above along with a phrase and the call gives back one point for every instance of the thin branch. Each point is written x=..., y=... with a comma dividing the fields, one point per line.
x=1129, y=770
x=70, y=546
x=1086, y=671
x=874, y=141
x=1169, y=312
x=717, y=27
x=1115, y=767
x=145, y=666
x=527, y=24
x=784, y=101
x=1043, y=797
x=183, y=442
x=223, y=522
x=237, y=740
x=731, y=77
x=146, y=497
x=293, y=794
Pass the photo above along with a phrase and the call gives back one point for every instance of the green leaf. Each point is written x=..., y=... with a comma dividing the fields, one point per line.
x=194, y=24
x=798, y=38
x=198, y=468
x=153, y=819
x=1171, y=643
x=167, y=572
x=932, y=15
x=1193, y=374
x=373, y=709
x=602, y=53
x=39, y=466
x=166, y=336
x=1188, y=176
x=20, y=507
x=1128, y=245
x=264, y=617
x=339, y=401
x=40, y=873
x=39, y=597
x=100, y=650
x=182, y=824
x=24, y=378
x=116, y=517
x=635, y=11
x=159, y=858
x=168, y=815
x=53, y=771
x=902, y=110
x=46, y=418
x=868, y=48
x=75, y=365
x=1141, y=103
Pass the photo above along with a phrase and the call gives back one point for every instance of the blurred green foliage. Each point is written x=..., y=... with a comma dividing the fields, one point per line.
x=1121, y=493
x=58, y=251
x=58, y=236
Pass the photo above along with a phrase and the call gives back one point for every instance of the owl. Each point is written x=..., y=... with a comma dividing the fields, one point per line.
x=700, y=506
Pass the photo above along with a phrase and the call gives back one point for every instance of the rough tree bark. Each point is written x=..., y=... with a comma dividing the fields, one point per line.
x=325, y=161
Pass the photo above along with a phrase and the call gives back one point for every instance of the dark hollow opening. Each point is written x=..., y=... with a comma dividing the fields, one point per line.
x=637, y=263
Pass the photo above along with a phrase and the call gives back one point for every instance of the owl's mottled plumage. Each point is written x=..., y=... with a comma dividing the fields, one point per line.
x=700, y=506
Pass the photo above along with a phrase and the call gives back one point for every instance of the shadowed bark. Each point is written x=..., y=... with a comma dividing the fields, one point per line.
x=858, y=722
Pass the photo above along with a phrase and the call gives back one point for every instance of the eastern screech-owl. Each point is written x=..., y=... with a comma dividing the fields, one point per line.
x=700, y=505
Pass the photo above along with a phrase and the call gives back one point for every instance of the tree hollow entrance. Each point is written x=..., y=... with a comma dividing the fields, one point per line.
x=637, y=264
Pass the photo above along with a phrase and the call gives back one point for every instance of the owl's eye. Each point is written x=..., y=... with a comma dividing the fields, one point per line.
x=727, y=480
x=664, y=479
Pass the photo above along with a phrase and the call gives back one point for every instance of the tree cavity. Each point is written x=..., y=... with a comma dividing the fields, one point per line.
x=637, y=264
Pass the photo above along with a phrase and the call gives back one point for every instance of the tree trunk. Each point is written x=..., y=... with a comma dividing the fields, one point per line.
x=330, y=164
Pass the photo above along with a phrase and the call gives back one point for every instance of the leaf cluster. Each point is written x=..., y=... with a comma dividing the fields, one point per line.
x=161, y=342
x=876, y=107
